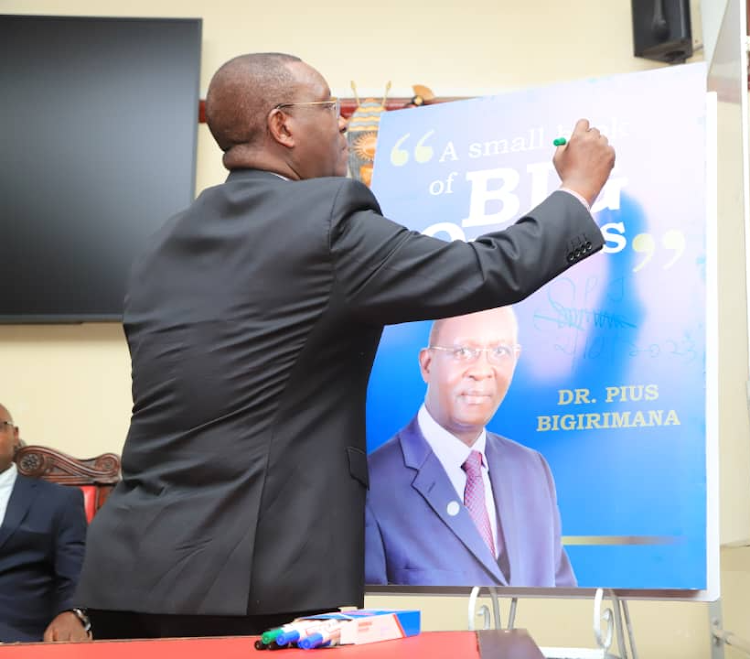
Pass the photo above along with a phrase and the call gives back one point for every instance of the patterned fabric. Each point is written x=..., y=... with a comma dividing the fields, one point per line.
x=474, y=498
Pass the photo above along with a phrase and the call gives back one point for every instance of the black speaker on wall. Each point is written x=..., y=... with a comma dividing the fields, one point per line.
x=661, y=30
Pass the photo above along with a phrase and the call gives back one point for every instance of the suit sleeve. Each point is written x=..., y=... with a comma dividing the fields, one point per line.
x=389, y=274
x=564, y=576
x=70, y=542
x=375, y=571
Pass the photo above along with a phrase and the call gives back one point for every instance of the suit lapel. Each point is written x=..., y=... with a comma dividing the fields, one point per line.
x=502, y=486
x=24, y=492
x=435, y=487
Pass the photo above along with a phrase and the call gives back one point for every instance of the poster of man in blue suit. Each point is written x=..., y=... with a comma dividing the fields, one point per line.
x=418, y=530
x=596, y=461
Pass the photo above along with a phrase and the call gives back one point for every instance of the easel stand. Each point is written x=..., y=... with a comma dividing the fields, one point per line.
x=608, y=623
x=721, y=637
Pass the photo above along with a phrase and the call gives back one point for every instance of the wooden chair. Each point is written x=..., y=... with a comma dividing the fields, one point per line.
x=95, y=476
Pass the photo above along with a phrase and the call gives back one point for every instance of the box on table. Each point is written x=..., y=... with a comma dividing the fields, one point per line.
x=360, y=626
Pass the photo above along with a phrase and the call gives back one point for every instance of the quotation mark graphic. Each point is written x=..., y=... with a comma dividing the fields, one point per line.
x=422, y=153
x=644, y=243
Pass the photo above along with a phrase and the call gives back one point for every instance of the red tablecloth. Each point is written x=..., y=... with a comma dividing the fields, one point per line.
x=428, y=645
x=504, y=644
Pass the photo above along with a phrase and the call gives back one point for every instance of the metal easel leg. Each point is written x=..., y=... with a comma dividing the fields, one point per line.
x=602, y=633
x=621, y=615
x=607, y=622
x=484, y=610
x=716, y=623
x=629, y=627
x=720, y=637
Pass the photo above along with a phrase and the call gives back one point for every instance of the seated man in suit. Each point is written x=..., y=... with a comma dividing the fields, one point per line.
x=42, y=536
x=451, y=504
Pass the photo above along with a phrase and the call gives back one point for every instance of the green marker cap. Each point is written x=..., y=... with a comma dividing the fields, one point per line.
x=560, y=141
x=270, y=635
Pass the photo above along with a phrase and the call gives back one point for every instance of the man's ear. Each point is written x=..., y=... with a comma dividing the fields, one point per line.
x=425, y=362
x=280, y=129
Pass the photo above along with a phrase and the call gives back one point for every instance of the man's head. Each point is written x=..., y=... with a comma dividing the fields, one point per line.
x=9, y=441
x=468, y=368
x=272, y=111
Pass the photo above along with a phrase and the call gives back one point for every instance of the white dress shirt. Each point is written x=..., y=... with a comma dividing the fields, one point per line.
x=577, y=196
x=7, y=481
x=452, y=453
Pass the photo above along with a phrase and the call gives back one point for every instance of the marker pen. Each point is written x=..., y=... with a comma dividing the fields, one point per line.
x=321, y=639
x=274, y=634
x=270, y=635
x=304, y=628
x=559, y=141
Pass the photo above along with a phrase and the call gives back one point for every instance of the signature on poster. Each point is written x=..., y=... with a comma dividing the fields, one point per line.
x=585, y=331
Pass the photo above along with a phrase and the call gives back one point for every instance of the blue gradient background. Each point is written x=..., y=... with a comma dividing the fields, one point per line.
x=599, y=324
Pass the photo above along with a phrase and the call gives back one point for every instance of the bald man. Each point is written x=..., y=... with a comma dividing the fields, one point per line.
x=42, y=540
x=426, y=524
x=252, y=319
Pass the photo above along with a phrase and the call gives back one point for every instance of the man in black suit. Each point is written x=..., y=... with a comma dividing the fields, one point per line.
x=253, y=318
x=42, y=536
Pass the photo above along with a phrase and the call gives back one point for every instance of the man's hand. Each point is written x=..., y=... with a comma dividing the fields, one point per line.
x=66, y=627
x=585, y=162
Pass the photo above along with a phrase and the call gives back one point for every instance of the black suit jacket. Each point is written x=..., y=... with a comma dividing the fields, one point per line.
x=42, y=541
x=253, y=319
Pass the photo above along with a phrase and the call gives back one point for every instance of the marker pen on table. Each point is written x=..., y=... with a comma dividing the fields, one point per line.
x=304, y=628
x=277, y=632
x=321, y=639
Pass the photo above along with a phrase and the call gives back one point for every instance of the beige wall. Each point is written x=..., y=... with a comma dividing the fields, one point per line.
x=69, y=386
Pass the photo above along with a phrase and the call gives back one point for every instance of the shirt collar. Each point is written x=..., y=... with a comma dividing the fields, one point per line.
x=8, y=477
x=446, y=446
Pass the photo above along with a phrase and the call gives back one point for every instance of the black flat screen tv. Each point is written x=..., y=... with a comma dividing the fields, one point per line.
x=98, y=131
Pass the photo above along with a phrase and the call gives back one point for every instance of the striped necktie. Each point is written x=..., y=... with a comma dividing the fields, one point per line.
x=474, y=498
